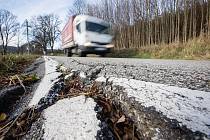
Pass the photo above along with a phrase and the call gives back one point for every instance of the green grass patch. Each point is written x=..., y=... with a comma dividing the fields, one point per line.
x=14, y=64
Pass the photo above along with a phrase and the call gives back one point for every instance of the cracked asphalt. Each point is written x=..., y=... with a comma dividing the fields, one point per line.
x=190, y=74
x=160, y=111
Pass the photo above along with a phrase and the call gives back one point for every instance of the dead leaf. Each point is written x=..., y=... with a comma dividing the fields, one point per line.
x=21, y=123
x=3, y=117
x=121, y=119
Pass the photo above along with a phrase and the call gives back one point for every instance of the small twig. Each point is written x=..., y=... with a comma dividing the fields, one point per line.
x=5, y=126
x=133, y=132
x=11, y=82
x=116, y=133
x=29, y=114
x=21, y=83
x=32, y=114
x=21, y=134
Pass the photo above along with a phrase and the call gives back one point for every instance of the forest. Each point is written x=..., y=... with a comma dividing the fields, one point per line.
x=143, y=24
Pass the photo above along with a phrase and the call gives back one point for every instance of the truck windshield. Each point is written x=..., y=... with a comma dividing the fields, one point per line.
x=94, y=27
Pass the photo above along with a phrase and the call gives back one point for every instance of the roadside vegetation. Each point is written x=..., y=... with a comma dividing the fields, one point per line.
x=197, y=49
x=13, y=64
x=170, y=29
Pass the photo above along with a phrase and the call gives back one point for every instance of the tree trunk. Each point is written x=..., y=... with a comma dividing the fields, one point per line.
x=52, y=50
x=185, y=22
x=4, y=49
x=202, y=17
x=44, y=50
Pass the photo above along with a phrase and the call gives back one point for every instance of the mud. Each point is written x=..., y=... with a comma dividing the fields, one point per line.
x=8, y=96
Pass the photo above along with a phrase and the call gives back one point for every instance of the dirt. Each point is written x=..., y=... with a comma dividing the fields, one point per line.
x=8, y=96
x=14, y=99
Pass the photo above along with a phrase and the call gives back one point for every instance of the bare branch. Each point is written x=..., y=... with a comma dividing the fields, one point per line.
x=8, y=28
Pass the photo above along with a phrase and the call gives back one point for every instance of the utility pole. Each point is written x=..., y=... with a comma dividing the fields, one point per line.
x=27, y=35
x=18, y=41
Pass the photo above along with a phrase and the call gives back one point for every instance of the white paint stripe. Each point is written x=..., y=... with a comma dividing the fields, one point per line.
x=72, y=119
x=47, y=82
x=189, y=107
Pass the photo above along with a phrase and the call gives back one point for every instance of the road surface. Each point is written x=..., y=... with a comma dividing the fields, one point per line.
x=166, y=99
x=190, y=74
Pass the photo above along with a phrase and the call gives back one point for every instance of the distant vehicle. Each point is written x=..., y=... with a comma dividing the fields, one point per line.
x=85, y=34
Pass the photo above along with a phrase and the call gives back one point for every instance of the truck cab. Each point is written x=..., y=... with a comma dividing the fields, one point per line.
x=91, y=35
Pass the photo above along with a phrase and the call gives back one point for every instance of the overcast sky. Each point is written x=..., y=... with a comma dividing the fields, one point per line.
x=25, y=9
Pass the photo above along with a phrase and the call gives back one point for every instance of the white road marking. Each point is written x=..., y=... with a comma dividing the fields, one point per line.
x=72, y=119
x=47, y=82
x=189, y=107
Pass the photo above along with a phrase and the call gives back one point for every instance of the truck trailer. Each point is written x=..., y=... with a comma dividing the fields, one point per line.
x=85, y=34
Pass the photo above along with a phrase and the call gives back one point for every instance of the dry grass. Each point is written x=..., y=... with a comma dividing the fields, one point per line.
x=198, y=49
x=13, y=64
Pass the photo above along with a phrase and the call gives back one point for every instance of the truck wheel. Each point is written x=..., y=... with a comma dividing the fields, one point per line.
x=68, y=53
x=82, y=54
x=103, y=55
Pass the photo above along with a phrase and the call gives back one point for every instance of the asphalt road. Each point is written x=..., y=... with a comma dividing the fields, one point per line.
x=190, y=74
x=141, y=89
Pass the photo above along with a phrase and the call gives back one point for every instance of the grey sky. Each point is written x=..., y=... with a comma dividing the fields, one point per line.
x=25, y=9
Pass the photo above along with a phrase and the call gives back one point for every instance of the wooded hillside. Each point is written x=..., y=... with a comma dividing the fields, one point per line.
x=140, y=23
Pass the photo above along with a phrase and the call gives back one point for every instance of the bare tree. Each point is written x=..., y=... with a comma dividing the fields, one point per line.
x=8, y=28
x=18, y=38
x=140, y=23
x=45, y=31
x=78, y=7
x=52, y=24
x=39, y=32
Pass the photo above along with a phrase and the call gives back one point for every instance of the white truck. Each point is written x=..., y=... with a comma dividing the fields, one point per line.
x=85, y=34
